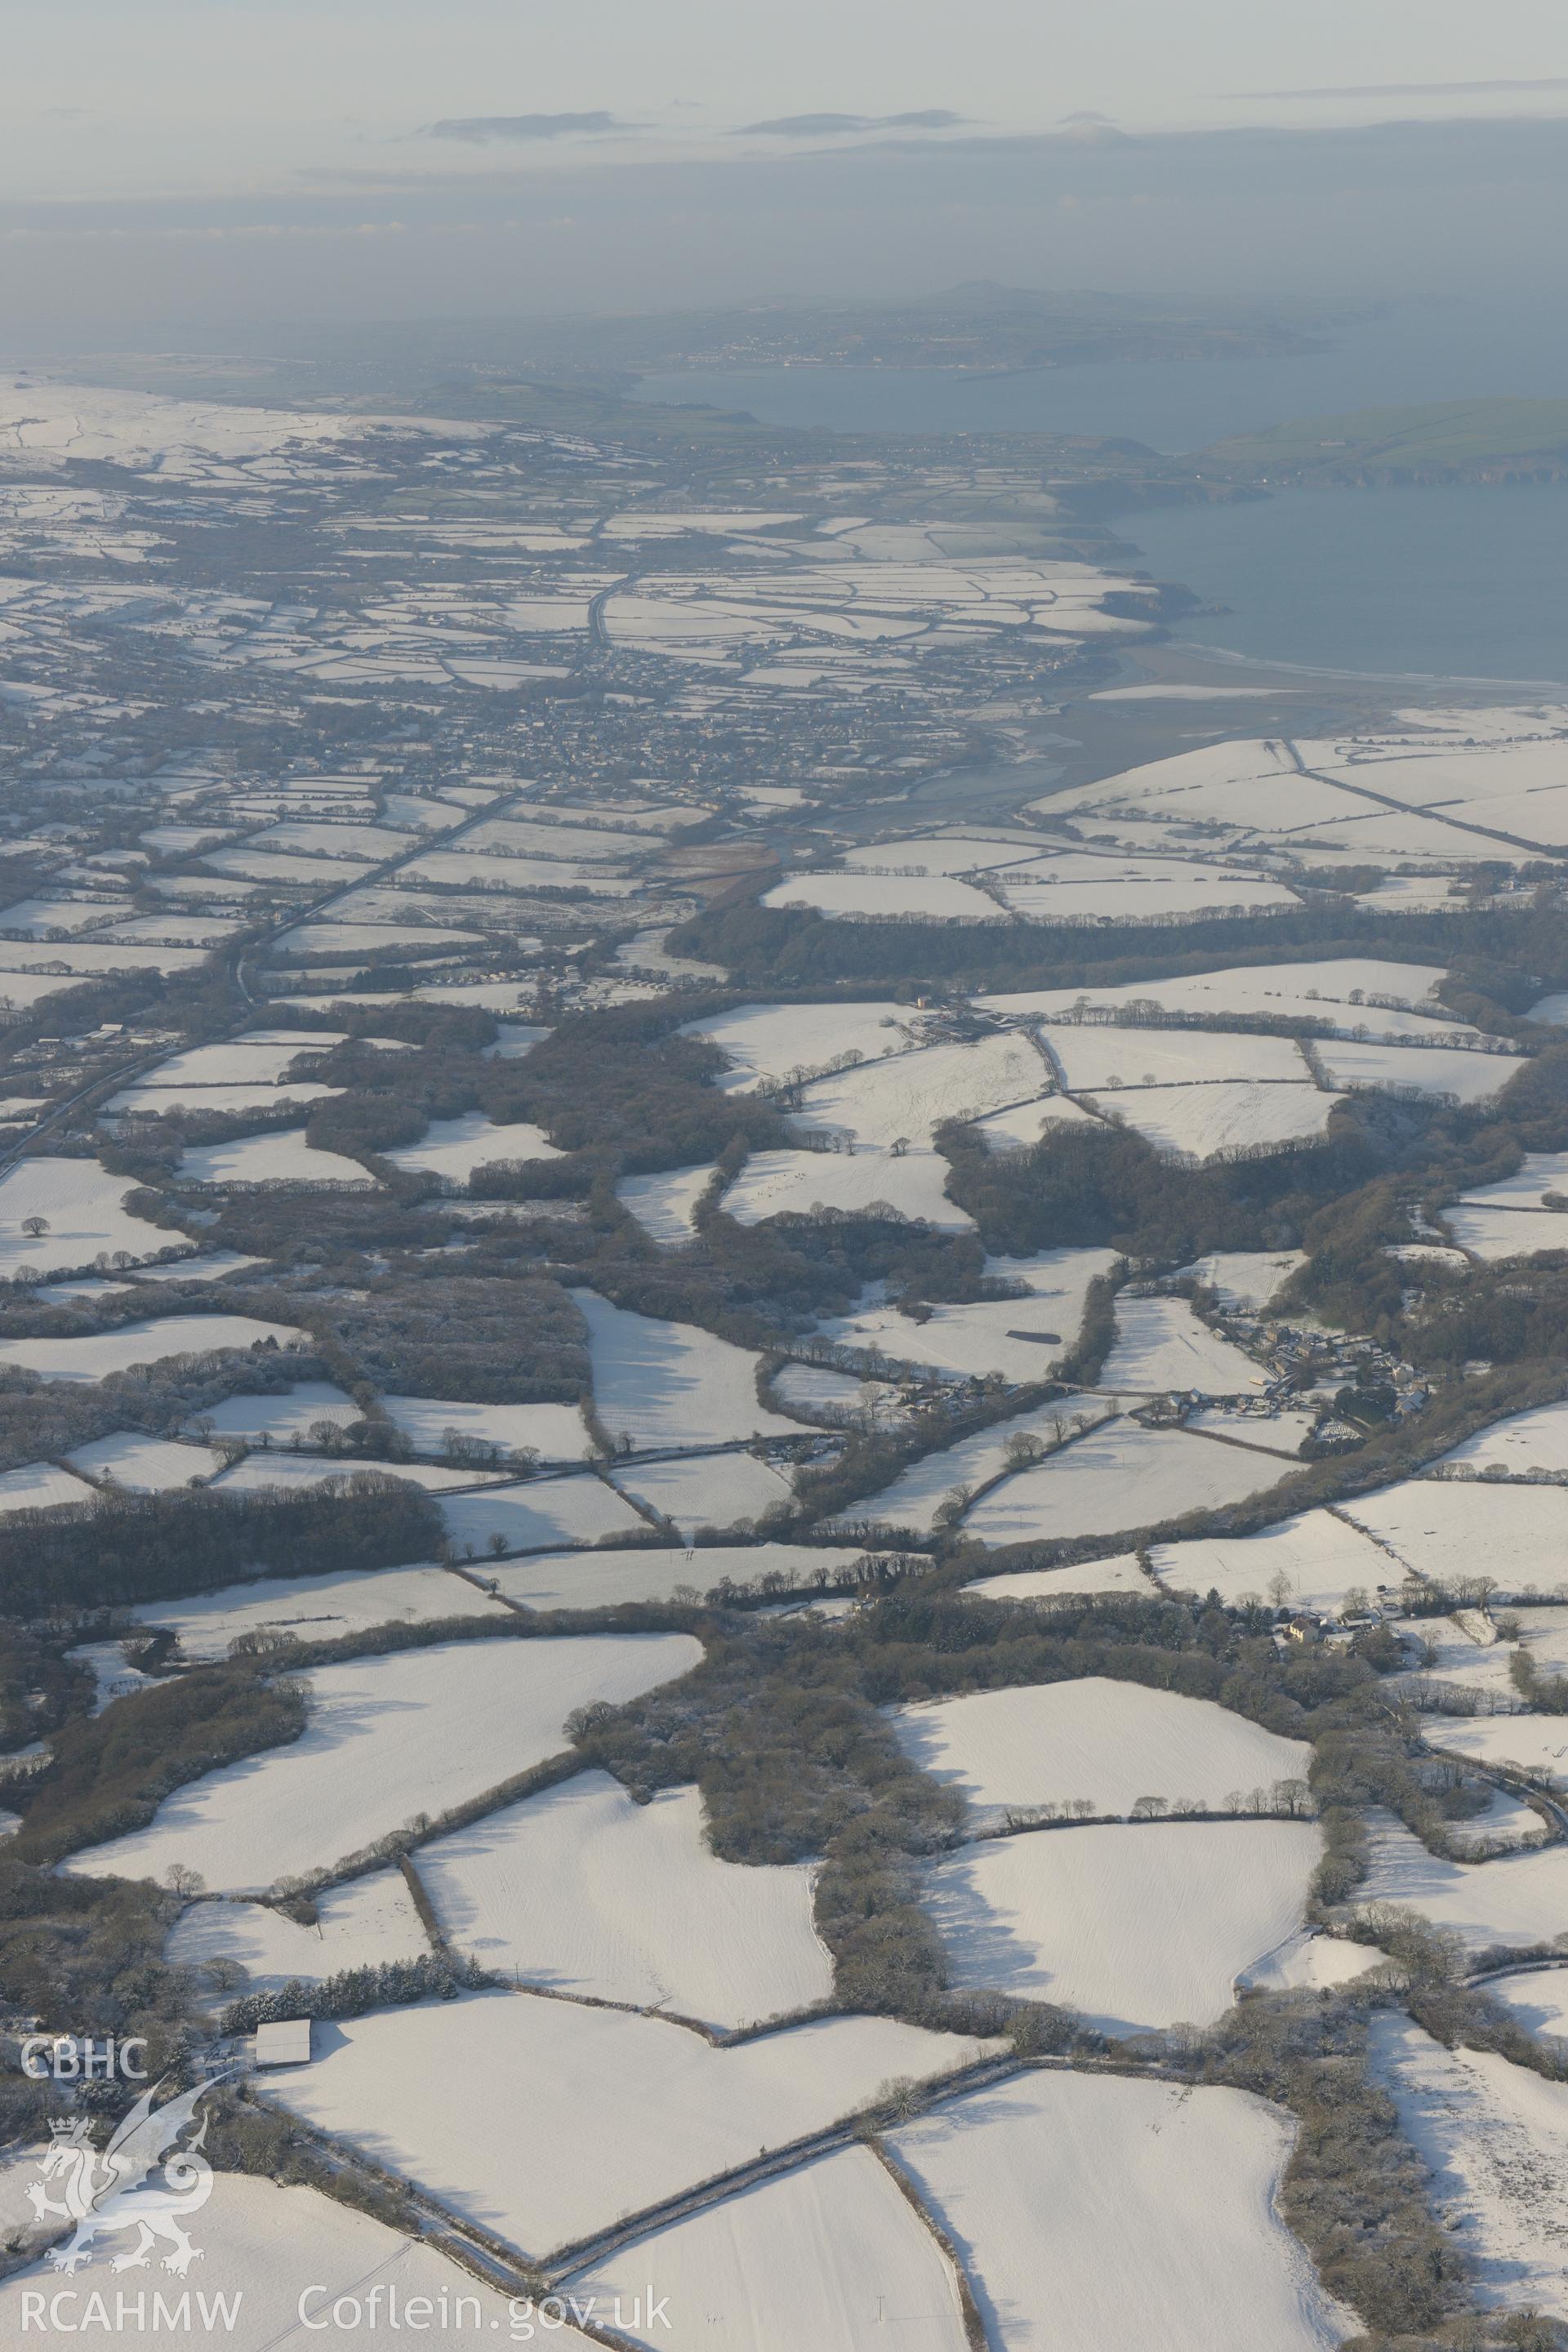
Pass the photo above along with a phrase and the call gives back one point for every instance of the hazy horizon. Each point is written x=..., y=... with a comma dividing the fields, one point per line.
x=238, y=162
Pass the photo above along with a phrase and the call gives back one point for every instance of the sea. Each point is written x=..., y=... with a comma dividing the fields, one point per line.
x=1467, y=582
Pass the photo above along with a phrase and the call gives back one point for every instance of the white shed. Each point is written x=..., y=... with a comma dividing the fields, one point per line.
x=287, y=2044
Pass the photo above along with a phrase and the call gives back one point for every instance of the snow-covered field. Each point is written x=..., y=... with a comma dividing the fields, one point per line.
x=264, y=865
x=1194, y=1122
x=638, y=1907
x=369, y=1919
x=34, y=918
x=370, y=844
x=710, y=1490
x=1536, y=1440
x=1505, y=1818
x=768, y=1041
x=1084, y=886
x=533, y=833
x=489, y=871
x=1308, y=1562
x=1031, y=1122
x=1520, y=1898
x=41, y=1487
x=1121, y=1573
x=1118, y=1477
x=94, y=1358
x=1113, y=1742
x=315, y=1607
x=829, y=2256
x=1494, y=1234
x=1538, y=1742
x=1309, y=1963
x=553, y=1431
x=1163, y=2233
x=1138, y=1926
x=1010, y=1336
x=1538, y=1173
x=541, y=1514
x=1160, y=1345
x=1334, y=990
x=918, y=899
x=156, y=1102
x=544, y=2121
x=603, y=1580
x=1494, y=2138
x=1245, y=1277
x=1538, y=1998
x=670, y=1384
x=279, y=1158
x=1092, y=1059
x=145, y=1465
x=950, y=853
x=260, y=1060
x=338, y=939
x=799, y=1183
x=79, y=1204
x=1430, y=1069
x=908, y=1098
x=663, y=1204
x=87, y=958
x=1545, y=1631
x=917, y=1493
x=1452, y=1529
x=282, y=1413
x=289, y=1472
x=1464, y=1660
x=414, y=1732
x=453, y=1147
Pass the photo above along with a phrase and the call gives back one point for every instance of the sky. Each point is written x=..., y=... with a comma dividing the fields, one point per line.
x=212, y=160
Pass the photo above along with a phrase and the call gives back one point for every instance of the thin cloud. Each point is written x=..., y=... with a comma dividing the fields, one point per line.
x=477, y=129
x=819, y=126
x=1412, y=89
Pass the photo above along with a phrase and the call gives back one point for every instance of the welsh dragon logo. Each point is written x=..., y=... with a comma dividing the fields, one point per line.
x=115, y=2190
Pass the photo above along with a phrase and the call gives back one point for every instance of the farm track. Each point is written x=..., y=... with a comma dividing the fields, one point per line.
x=568, y=2262
x=1520, y=1968
x=1404, y=808
x=968, y=2301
